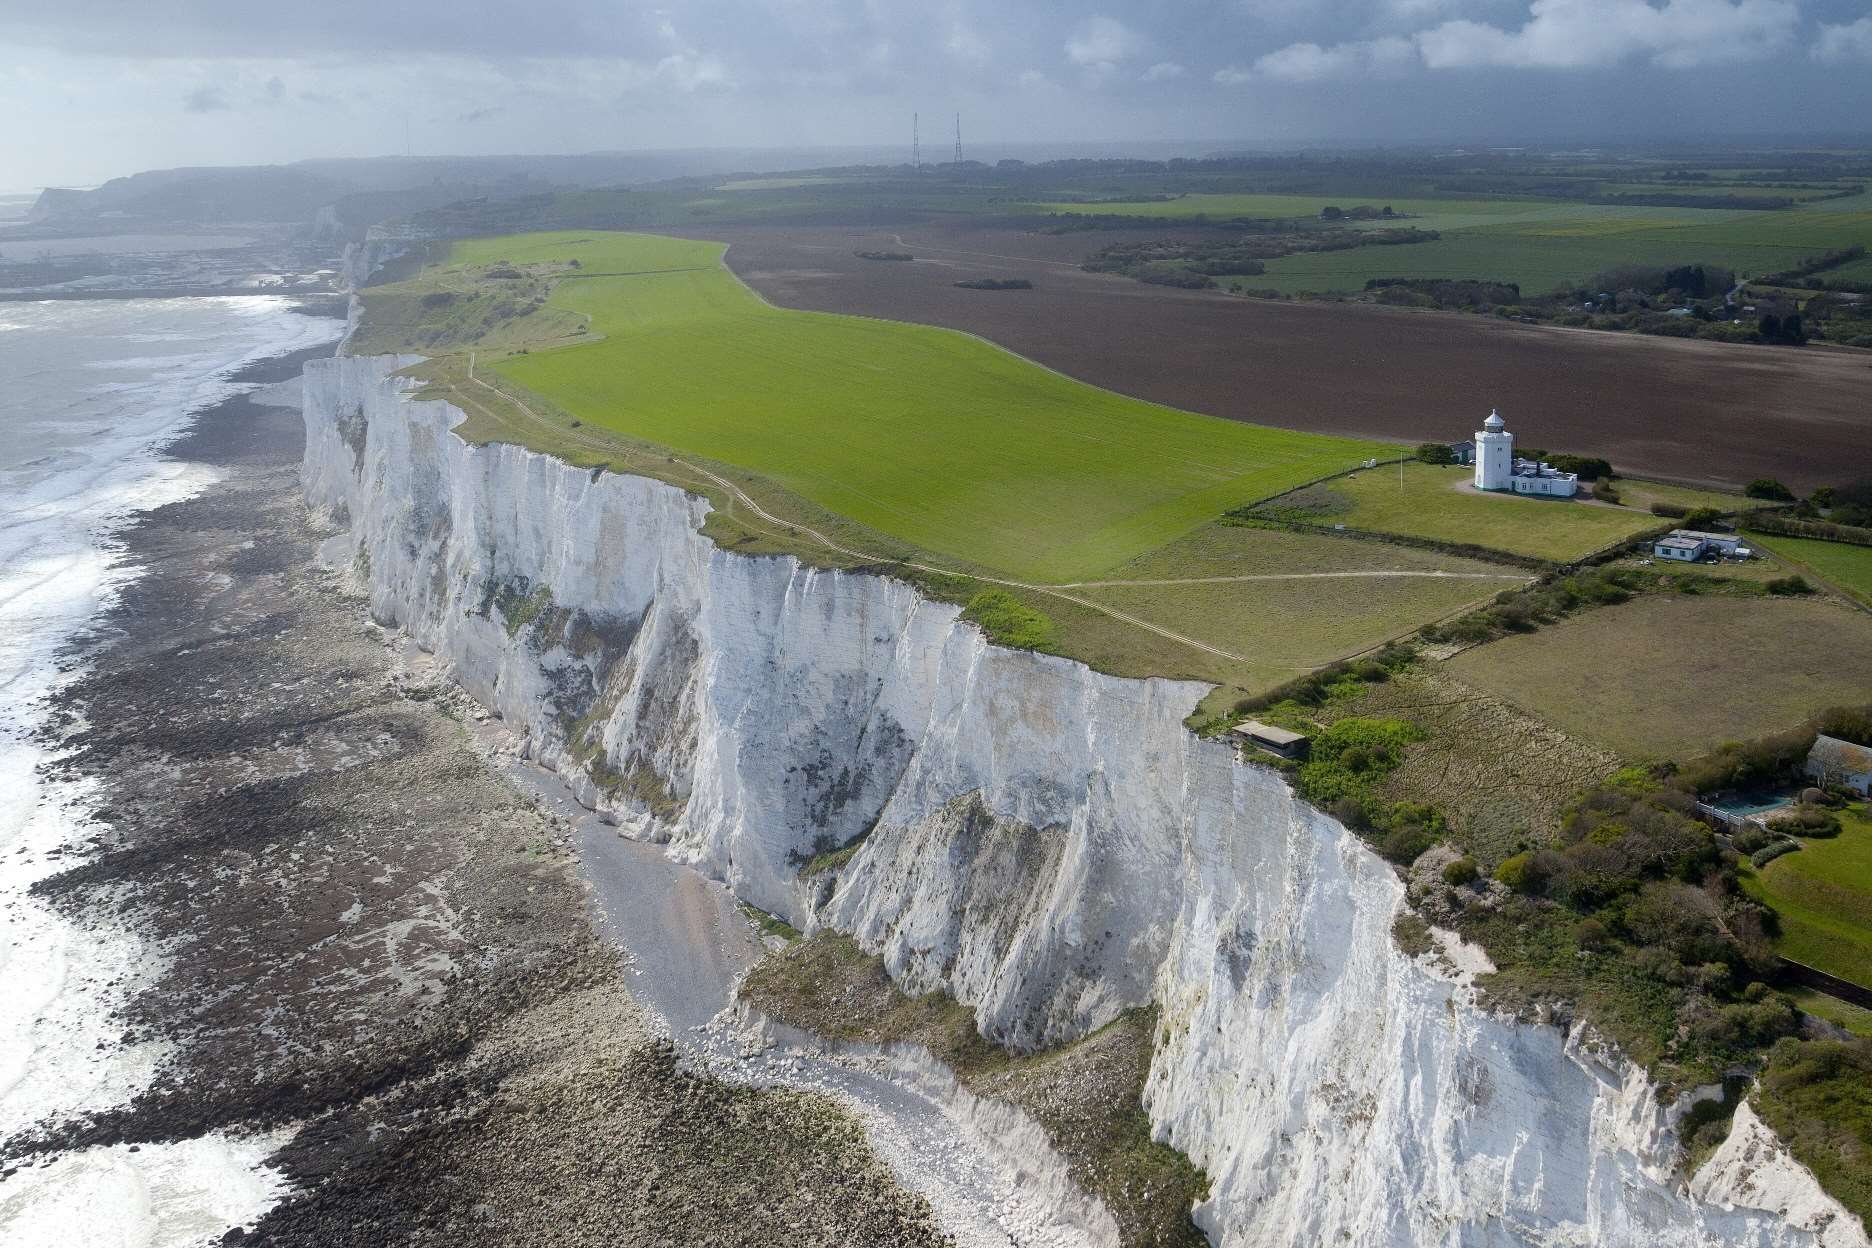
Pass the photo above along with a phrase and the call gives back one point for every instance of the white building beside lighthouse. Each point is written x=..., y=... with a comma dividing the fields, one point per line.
x=1497, y=469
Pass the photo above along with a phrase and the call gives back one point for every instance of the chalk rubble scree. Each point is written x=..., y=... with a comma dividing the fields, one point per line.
x=1049, y=844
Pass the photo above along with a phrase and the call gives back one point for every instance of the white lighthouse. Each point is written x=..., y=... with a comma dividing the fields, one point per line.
x=1494, y=455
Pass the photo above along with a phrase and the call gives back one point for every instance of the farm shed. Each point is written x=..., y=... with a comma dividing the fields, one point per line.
x=1271, y=739
x=1833, y=761
x=1728, y=545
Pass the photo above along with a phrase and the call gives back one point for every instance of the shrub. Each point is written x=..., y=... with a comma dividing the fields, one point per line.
x=1811, y=821
x=1604, y=492
x=1677, y=917
x=1748, y=1024
x=1523, y=872
x=1589, y=467
x=1462, y=871
x=1789, y=586
x=1767, y=854
x=1751, y=838
x=1669, y=511
x=1405, y=843
x=1591, y=934
x=996, y=283
x=1770, y=489
x=1436, y=453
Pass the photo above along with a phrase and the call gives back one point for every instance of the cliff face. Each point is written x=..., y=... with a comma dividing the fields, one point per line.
x=1047, y=843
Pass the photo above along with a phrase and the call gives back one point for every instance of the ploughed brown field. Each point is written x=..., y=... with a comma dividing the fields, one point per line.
x=1698, y=412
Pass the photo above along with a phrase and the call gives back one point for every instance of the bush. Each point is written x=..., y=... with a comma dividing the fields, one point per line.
x=1762, y=857
x=1751, y=838
x=996, y=283
x=1405, y=843
x=1701, y=518
x=1810, y=821
x=1462, y=871
x=1523, y=872
x=1669, y=511
x=1588, y=467
x=1436, y=453
x=1748, y=1024
x=1603, y=491
x=1789, y=586
x=1770, y=489
x=1592, y=935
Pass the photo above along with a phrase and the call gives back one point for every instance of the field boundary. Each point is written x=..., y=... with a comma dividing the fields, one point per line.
x=1060, y=373
x=1831, y=985
x=1850, y=596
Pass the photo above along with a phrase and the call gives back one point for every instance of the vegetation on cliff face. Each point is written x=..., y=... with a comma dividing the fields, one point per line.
x=1086, y=1096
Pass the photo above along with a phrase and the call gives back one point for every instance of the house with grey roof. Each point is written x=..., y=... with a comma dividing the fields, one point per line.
x=1836, y=762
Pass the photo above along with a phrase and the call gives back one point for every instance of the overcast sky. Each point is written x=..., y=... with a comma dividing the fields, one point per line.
x=94, y=88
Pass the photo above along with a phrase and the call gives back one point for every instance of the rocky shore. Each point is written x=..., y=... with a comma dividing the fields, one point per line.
x=370, y=942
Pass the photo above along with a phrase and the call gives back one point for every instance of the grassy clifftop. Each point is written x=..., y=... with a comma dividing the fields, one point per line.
x=927, y=435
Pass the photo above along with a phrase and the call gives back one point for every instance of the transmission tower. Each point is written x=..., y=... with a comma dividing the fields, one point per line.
x=916, y=144
x=958, y=155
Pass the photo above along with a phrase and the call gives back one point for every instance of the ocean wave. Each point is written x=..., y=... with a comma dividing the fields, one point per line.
x=79, y=460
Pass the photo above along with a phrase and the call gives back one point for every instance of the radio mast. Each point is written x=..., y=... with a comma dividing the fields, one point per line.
x=916, y=144
x=958, y=155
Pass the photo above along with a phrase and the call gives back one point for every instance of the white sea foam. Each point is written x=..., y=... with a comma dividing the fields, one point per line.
x=78, y=458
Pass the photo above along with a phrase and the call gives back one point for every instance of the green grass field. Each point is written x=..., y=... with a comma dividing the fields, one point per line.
x=1823, y=894
x=1433, y=502
x=1673, y=677
x=1849, y=567
x=1537, y=244
x=1323, y=598
x=927, y=435
x=1641, y=494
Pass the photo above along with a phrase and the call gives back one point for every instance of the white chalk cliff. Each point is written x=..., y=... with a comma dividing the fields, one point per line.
x=1049, y=844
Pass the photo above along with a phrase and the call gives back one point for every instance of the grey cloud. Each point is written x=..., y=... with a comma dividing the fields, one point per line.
x=500, y=74
x=1850, y=41
x=205, y=100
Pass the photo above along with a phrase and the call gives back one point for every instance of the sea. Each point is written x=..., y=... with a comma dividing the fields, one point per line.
x=90, y=392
